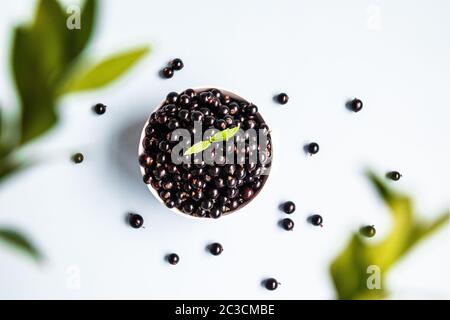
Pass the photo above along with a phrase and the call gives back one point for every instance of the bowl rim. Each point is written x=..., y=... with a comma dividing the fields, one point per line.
x=154, y=191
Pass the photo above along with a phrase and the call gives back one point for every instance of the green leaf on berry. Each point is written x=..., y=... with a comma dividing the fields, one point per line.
x=224, y=135
x=198, y=147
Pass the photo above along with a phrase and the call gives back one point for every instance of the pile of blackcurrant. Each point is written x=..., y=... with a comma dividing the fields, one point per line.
x=194, y=186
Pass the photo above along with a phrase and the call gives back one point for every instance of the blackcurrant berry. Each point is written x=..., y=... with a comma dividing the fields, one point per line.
x=356, y=105
x=78, y=158
x=251, y=110
x=183, y=114
x=207, y=204
x=247, y=193
x=215, y=249
x=216, y=93
x=135, y=220
x=316, y=220
x=190, y=92
x=289, y=207
x=184, y=100
x=232, y=193
x=313, y=148
x=368, y=231
x=172, y=97
x=196, y=116
x=233, y=107
x=188, y=208
x=271, y=284
x=173, y=258
x=145, y=160
x=287, y=224
x=100, y=108
x=177, y=64
x=170, y=203
x=394, y=175
x=282, y=98
x=215, y=213
x=167, y=72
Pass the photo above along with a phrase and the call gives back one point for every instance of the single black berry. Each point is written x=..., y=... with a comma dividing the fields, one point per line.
x=289, y=207
x=247, y=193
x=282, y=98
x=167, y=72
x=313, y=148
x=190, y=92
x=287, y=224
x=207, y=204
x=215, y=249
x=100, y=108
x=172, y=97
x=215, y=213
x=173, y=258
x=188, y=207
x=356, y=105
x=177, y=64
x=135, y=220
x=196, y=116
x=271, y=284
x=78, y=158
x=394, y=175
x=145, y=160
x=316, y=220
x=251, y=110
x=368, y=231
x=183, y=114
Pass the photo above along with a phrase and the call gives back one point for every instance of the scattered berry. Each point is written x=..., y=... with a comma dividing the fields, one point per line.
x=394, y=175
x=368, y=231
x=356, y=105
x=282, y=98
x=78, y=158
x=316, y=220
x=313, y=148
x=100, y=108
x=167, y=72
x=135, y=220
x=287, y=224
x=289, y=207
x=176, y=64
x=215, y=249
x=271, y=284
x=173, y=258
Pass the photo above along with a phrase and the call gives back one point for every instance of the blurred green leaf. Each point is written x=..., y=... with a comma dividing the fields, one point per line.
x=1, y=128
x=32, y=84
x=103, y=73
x=20, y=243
x=48, y=37
x=9, y=166
x=38, y=58
x=198, y=147
x=349, y=269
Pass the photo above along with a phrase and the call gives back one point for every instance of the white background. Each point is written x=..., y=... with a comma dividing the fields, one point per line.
x=394, y=55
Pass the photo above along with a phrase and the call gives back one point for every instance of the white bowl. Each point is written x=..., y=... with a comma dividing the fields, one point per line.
x=154, y=192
